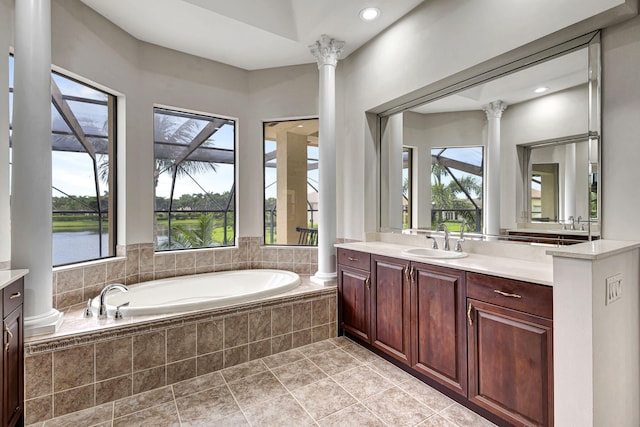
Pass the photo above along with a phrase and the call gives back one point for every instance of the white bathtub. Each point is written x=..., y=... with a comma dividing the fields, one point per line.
x=199, y=291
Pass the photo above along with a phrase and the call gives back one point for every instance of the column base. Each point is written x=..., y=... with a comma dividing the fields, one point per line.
x=325, y=279
x=46, y=323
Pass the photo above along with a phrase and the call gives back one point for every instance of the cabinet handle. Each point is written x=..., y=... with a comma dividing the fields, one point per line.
x=352, y=258
x=469, y=314
x=506, y=294
x=368, y=282
x=16, y=295
x=413, y=274
x=406, y=272
x=6, y=329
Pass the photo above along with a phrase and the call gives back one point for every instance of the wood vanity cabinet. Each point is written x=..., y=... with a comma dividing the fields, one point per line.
x=354, y=293
x=391, y=307
x=12, y=355
x=510, y=349
x=439, y=335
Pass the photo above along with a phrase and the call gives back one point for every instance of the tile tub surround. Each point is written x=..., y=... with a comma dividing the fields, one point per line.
x=136, y=263
x=292, y=388
x=87, y=364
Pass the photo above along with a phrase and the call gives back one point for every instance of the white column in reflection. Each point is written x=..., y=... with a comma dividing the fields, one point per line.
x=491, y=213
x=326, y=51
x=31, y=163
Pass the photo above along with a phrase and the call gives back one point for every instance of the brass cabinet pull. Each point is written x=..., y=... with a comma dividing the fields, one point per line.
x=352, y=258
x=368, y=282
x=413, y=273
x=16, y=295
x=6, y=329
x=506, y=294
x=469, y=314
x=406, y=272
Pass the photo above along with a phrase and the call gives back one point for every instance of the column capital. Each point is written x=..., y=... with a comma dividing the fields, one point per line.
x=494, y=109
x=326, y=50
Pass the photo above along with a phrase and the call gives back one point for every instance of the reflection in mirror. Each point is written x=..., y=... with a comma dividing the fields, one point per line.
x=533, y=175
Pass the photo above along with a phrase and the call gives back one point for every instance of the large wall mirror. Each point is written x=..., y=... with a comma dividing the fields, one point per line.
x=514, y=152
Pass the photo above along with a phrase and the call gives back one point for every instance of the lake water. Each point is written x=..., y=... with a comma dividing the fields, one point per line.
x=77, y=246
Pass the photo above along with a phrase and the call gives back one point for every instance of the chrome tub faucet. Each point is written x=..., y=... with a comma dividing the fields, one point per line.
x=102, y=310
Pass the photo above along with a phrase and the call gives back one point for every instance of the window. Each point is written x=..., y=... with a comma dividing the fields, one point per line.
x=291, y=182
x=83, y=143
x=407, y=158
x=194, y=180
x=456, y=187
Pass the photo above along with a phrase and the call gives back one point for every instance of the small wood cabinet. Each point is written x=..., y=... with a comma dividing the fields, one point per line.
x=391, y=307
x=511, y=349
x=439, y=339
x=354, y=293
x=12, y=394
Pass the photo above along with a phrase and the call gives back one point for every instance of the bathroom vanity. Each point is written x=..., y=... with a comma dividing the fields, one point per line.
x=487, y=339
x=11, y=355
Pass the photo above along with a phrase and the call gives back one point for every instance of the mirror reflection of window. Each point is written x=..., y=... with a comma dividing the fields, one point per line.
x=544, y=192
x=407, y=155
x=291, y=182
x=457, y=178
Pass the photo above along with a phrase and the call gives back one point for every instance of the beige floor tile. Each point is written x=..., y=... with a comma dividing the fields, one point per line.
x=164, y=415
x=362, y=382
x=397, y=408
x=234, y=420
x=353, y=416
x=359, y=352
x=283, y=358
x=389, y=371
x=317, y=348
x=335, y=361
x=426, y=395
x=464, y=417
x=436, y=421
x=257, y=388
x=298, y=374
x=334, y=398
x=283, y=410
x=243, y=370
x=198, y=384
x=142, y=401
x=85, y=417
x=206, y=407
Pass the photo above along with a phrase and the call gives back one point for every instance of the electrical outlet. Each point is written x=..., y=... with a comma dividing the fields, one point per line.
x=613, y=289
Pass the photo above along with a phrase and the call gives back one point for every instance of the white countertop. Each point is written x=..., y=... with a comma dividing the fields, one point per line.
x=7, y=277
x=596, y=249
x=528, y=271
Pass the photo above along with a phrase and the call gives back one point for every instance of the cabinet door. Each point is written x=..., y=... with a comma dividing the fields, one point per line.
x=354, y=302
x=439, y=334
x=390, y=306
x=510, y=364
x=13, y=386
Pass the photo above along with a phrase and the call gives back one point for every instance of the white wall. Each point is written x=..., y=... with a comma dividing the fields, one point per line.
x=6, y=21
x=621, y=131
x=436, y=40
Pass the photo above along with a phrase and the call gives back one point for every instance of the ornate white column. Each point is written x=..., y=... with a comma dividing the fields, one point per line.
x=326, y=51
x=491, y=213
x=31, y=159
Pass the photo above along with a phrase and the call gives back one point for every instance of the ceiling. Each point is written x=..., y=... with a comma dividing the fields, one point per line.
x=250, y=34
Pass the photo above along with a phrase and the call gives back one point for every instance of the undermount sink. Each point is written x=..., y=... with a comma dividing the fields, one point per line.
x=434, y=253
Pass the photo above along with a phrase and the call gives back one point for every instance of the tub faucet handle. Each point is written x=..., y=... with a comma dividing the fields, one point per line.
x=118, y=313
x=87, y=311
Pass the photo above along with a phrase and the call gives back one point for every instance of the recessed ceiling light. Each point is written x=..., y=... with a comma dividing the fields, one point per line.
x=541, y=89
x=369, y=13
x=300, y=126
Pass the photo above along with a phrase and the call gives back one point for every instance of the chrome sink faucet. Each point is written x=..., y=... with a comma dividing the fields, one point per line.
x=458, y=247
x=102, y=310
x=444, y=228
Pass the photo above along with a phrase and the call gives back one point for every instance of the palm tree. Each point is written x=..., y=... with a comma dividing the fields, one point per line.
x=199, y=237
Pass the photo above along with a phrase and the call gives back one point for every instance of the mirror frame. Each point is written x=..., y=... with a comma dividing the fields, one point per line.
x=501, y=66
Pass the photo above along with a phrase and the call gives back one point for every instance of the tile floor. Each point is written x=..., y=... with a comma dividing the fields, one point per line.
x=330, y=383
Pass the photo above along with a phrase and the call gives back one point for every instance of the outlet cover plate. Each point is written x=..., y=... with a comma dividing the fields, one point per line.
x=613, y=288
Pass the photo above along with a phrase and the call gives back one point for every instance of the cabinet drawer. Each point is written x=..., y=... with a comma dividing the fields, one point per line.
x=355, y=259
x=521, y=296
x=13, y=296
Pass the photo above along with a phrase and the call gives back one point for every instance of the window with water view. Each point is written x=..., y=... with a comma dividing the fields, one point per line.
x=194, y=180
x=83, y=169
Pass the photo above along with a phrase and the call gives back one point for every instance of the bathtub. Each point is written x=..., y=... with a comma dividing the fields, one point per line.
x=199, y=291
